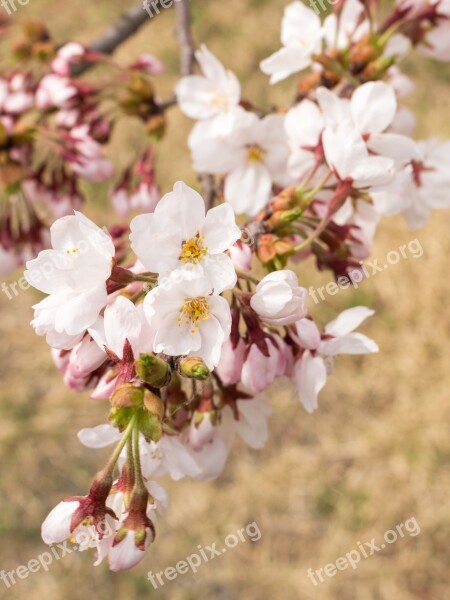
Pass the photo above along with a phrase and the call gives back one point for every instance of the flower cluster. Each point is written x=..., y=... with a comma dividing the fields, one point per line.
x=184, y=337
x=54, y=129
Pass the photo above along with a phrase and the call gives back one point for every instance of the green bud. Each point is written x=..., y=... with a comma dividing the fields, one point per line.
x=152, y=370
x=194, y=368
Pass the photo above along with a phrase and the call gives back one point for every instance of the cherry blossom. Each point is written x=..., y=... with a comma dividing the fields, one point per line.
x=253, y=157
x=74, y=274
x=179, y=236
x=188, y=318
x=278, y=298
x=301, y=36
x=316, y=362
x=212, y=97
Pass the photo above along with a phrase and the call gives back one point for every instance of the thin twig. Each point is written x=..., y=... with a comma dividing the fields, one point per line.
x=187, y=47
x=126, y=26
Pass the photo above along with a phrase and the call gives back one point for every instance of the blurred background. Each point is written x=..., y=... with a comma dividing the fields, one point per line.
x=375, y=454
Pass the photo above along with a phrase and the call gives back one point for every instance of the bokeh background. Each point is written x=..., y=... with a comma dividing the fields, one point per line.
x=375, y=454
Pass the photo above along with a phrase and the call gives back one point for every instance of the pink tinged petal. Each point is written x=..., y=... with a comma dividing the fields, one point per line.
x=220, y=229
x=156, y=240
x=344, y=148
x=248, y=188
x=311, y=376
x=211, y=460
x=373, y=171
x=185, y=207
x=220, y=271
x=99, y=436
x=121, y=322
x=125, y=554
x=230, y=364
x=373, y=107
x=212, y=68
x=174, y=340
x=212, y=338
x=401, y=149
x=56, y=527
x=104, y=545
x=285, y=62
x=212, y=155
x=252, y=426
x=178, y=459
x=42, y=273
x=304, y=123
x=334, y=109
x=167, y=298
x=97, y=332
x=144, y=342
x=308, y=334
x=298, y=18
x=352, y=343
x=196, y=97
x=80, y=311
x=220, y=308
x=159, y=495
x=348, y=321
x=259, y=371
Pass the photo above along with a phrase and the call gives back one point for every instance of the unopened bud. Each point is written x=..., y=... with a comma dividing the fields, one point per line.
x=127, y=396
x=194, y=368
x=283, y=217
x=152, y=370
x=150, y=427
x=154, y=404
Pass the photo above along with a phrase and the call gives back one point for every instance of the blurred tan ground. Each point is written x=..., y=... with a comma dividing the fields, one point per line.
x=375, y=454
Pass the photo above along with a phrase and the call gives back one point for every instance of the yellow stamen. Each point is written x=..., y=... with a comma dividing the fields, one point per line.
x=193, y=249
x=193, y=311
x=255, y=153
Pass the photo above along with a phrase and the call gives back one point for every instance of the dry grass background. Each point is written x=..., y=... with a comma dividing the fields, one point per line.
x=375, y=454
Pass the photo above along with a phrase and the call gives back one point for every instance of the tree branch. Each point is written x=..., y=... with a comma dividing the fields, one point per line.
x=187, y=48
x=128, y=24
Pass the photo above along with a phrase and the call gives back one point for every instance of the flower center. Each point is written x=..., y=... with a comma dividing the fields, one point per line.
x=255, y=153
x=193, y=311
x=193, y=250
x=220, y=101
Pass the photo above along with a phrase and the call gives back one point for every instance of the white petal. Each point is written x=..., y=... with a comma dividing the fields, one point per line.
x=220, y=229
x=99, y=436
x=285, y=62
x=373, y=107
x=308, y=334
x=248, y=188
x=311, y=376
x=352, y=343
x=348, y=320
x=220, y=271
x=56, y=527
